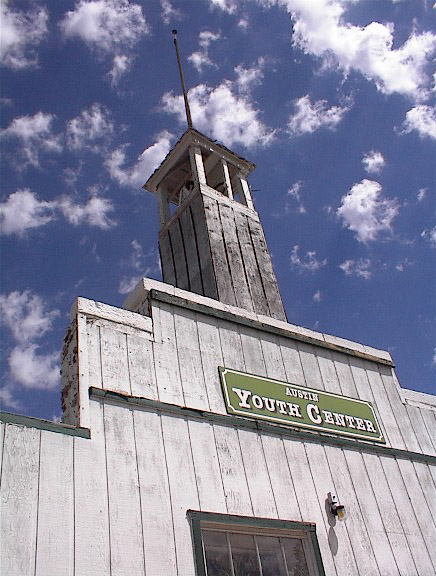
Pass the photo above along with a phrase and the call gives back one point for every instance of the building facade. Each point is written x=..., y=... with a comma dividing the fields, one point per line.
x=203, y=434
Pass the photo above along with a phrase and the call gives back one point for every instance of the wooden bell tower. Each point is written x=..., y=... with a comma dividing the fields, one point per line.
x=211, y=241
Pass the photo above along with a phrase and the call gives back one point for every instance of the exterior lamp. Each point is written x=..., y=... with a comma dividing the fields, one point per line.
x=336, y=508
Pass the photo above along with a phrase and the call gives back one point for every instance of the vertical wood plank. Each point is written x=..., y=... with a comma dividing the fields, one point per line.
x=114, y=366
x=231, y=346
x=252, y=351
x=211, y=358
x=2, y=436
x=388, y=419
x=166, y=258
x=307, y=499
x=355, y=523
x=125, y=519
x=272, y=356
x=312, y=374
x=141, y=367
x=94, y=353
x=428, y=487
x=398, y=409
x=345, y=376
x=328, y=371
x=165, y=357
x=360, y=377
x=423, y=514
x=429, y=418
x=203, y=245
x=19, y=500
x=223, y=278
x=256, y=471
x=55, y=550
x=292, y=362
x=234, y=258
x=191, y=252
x=206, y=465
x=91, y=544
x=266, y=270
x=183, y=488
x=188, y=352
x=178, y=248
x=420, y=429
x=339, y=542
x=249, y=261
x=157, y=522
x=406, y=511
x=371, y=514
x=389, y=516
x=232, y=471
x=281, y=479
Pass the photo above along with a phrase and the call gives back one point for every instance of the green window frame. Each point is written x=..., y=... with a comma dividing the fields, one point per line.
x=204, y=524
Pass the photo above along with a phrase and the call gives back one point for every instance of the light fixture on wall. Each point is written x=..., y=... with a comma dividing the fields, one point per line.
x=336, y=508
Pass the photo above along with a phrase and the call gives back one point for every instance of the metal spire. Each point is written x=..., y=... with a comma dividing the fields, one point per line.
x=182, y=78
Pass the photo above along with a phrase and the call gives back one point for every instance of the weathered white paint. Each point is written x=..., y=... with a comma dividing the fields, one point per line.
x=91, y=507
x=125, y=506
x=19, y=493
x=124, y=492
x=55, y=538
x=156, y=513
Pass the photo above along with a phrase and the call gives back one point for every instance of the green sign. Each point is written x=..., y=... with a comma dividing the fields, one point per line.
x=282, y=403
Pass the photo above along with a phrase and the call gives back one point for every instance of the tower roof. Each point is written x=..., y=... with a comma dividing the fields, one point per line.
x=176, y=164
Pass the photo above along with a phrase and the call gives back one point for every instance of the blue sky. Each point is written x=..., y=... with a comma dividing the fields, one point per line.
x=333, y=100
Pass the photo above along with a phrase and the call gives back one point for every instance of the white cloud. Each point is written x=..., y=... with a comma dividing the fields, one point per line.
x=201, y=58
x=228, y=6
x=23, y=211
x=169, y=12
x=309, y=117
x=128, y=283
x=430, y=236
x=136, y=175
x=321, y=29
x=28, y=319
x=434, y=357
x=26, y=315
x=90, y=129
x=308, y=264
x=294, y=194
x=244, y=23
x=21, y=32
x=120, y=65
x=33, y=370
x=422, y=193
x=360, y=268
x=249, y=77
x=221, y=113
x=34, y=133
x=364, y=210
x=109, y=26
x=373, y=162
x=422, y=119
x=7, y=398
x=94, y=213
x=142, y=264
x=317, y=297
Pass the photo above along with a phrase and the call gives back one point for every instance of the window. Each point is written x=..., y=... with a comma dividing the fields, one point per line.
x=239, y=546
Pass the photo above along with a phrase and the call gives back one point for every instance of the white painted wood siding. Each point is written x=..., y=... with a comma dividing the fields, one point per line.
x=178, y=364
x=116, y=503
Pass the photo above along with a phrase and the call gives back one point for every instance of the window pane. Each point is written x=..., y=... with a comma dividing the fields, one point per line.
x=244, y=555
x=271, y=556
x=295, y=557
x=216, y=552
